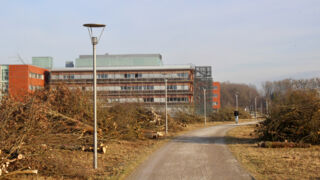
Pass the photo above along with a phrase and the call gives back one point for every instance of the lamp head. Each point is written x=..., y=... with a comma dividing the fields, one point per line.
x=93, y=28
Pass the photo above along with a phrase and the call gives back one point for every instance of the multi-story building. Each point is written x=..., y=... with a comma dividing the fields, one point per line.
x=45, y=62
x=216, y=96
x=135, y=84
x=25, y=79
x=132, y=84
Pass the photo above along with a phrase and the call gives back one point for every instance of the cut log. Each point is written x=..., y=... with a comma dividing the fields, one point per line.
x=269, y=144
x=20, y=156
x=102, y=149
x=160, y=134
x=22, y=172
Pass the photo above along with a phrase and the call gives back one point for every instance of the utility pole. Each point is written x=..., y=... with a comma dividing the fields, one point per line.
x=236, y=102
x=205, y=106
x=236, y=113
x=166, y=100
x=267, y=110
x=255, y=107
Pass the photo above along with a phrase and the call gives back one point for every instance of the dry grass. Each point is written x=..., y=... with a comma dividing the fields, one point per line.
x=273, y=163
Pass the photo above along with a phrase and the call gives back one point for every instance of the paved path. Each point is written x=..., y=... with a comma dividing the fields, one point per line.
x=200, y=154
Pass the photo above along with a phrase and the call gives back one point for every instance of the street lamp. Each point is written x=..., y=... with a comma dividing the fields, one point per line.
x=166, y=100
x=236, y=113
x=94, y=41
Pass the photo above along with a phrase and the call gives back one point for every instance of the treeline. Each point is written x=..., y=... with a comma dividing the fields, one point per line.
x=246, y=95
x=276, y=89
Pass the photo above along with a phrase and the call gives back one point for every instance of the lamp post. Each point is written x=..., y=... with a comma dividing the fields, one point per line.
x=94, y=41
x=255, y=108
x=205, y=106
x=166, y=100
x=236, y=114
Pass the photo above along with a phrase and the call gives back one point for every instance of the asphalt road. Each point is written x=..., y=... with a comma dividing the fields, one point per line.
x=201, y=154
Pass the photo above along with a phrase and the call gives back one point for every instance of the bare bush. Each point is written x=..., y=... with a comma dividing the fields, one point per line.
x=295, y=117
x=227, y=114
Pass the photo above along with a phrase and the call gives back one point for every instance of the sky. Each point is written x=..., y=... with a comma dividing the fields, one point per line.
x=245, y=41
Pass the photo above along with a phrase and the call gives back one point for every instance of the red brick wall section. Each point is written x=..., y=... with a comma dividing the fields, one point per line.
x=20, y=80
x=216, y=91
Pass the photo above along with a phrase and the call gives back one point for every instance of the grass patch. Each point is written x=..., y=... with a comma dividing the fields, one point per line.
x=273, y=163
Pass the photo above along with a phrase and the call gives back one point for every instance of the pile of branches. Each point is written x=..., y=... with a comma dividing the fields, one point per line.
x=128, y=121
x=294, y=118
x=36, y=128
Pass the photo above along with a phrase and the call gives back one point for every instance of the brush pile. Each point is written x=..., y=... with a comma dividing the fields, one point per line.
x=36, y=130
x=293, y=118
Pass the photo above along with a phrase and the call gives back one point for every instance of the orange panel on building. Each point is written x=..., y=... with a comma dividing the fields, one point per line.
x=216, y=95
x=25, y=79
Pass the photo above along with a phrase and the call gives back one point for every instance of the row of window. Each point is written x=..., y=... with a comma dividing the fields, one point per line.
x=151, y=100
x=135, y=88
x=33, y=88
x=121, y=76
x=35, y=75
x=171, y=99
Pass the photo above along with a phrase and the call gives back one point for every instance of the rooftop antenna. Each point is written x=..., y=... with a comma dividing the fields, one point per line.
x=18, y=58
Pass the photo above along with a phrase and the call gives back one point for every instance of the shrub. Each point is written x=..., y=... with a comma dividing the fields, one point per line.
x=226, y=114
x=295, y=118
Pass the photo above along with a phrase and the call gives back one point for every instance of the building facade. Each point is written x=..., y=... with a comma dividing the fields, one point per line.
x=216, y=96
x=24, y=79
x=133, y=84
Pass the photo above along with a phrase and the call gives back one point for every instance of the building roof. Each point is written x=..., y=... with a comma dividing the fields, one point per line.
x=165, y=67
x=111, y=60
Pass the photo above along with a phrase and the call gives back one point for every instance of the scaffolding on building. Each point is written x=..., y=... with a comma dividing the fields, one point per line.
x=203, y=80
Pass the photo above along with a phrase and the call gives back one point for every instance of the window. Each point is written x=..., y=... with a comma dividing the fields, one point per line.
x=102, y=76
x=5, y=74
x=138, y=75
x=148, y=99
x=177, y=99
x=172, y=87
x=215, y=95
x=215, y=103
x=129, y=76
x=215, y=87
x=148, y=87
x=32, y=88
x=36, y=76
x=183, y=75
x=68, y=76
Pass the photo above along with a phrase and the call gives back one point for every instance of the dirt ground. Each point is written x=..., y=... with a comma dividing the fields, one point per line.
x=273, y=163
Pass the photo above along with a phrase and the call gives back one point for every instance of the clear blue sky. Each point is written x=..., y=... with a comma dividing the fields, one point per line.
x=243, y=40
